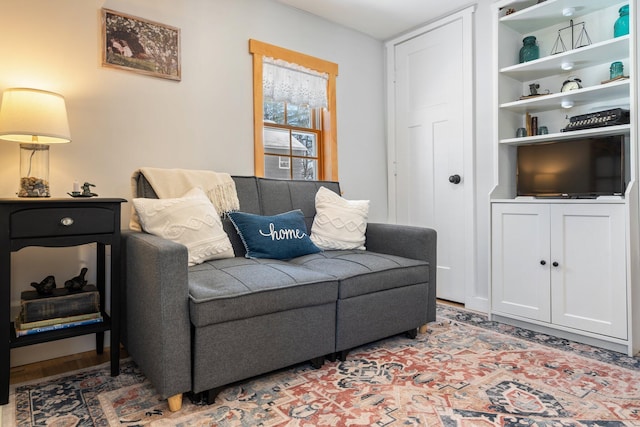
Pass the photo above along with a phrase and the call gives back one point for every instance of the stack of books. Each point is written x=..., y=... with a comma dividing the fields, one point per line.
x=60, y=310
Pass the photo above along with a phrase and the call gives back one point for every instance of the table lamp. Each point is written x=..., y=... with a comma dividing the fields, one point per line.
x=34, y=118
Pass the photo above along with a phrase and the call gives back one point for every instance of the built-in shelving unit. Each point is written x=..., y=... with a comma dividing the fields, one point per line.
x=568, y=267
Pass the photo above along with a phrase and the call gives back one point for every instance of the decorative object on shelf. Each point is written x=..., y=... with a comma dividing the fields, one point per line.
x=86, y=191
x=61, y=303
x=572, y=83
x=582, y=40
x=533, y=89
x=529, y=50
x=534, y=125
x=521, y=132
x=34, y=118
x=616, y=70
x=621, y=26
x=612, y=117
x=76, y=284
x=46, y=286
x=543, y=130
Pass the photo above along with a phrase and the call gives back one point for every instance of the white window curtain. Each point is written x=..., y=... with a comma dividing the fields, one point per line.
x=284, y=81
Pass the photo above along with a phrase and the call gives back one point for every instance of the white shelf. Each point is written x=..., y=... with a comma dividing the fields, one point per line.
x=549, y=13
x=562, y=136
x=598, y=53
x=612, y=200
x=604, y=92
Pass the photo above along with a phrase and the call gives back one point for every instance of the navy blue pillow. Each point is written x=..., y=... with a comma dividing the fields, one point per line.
x=282, y=236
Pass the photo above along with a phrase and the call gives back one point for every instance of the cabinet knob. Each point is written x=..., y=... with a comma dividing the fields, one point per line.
x=555, y=264
x=66, y=221
x=543, y=262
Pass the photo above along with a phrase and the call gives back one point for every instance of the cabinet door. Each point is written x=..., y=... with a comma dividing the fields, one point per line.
x=520, y=260
x=589, y=283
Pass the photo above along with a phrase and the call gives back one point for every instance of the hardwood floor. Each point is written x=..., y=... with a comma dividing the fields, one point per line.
x=59, y=365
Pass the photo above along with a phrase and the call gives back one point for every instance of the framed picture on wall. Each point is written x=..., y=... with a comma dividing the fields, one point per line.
x=139, y=45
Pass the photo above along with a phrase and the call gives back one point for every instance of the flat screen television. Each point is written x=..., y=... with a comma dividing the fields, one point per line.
x=588, y=167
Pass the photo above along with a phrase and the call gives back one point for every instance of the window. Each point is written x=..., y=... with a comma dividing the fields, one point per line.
x=291, y=132
x=292, y=140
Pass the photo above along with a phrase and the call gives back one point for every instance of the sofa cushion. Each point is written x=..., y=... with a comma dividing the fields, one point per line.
x=280, y=195
x=239, y=288
x=281, y=236
x=191, y=220
x=339, y=223
x=364, y=272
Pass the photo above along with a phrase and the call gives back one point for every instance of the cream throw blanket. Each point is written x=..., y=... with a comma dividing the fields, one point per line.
x=173, y=183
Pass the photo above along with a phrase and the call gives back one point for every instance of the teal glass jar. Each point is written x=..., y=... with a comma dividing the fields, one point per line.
x=529, y=50
x=616, y=70
x=621, y=26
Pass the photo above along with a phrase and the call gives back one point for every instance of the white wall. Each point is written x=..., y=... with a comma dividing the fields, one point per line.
x=121, y=120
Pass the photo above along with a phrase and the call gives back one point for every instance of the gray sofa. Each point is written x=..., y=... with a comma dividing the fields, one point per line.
x=198, y=329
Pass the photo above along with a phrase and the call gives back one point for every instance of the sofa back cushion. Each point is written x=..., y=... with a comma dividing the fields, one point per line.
x=279, y=196
x=263, y=196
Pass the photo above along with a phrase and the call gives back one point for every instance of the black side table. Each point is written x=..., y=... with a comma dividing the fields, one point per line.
x=60, y=223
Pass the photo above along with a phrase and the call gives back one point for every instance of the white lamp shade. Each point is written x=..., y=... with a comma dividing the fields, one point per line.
x=33, y=116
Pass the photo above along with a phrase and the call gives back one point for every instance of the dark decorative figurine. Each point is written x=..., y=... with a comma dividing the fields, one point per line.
x=76, y=283
x=45, y=287
x=86, y=190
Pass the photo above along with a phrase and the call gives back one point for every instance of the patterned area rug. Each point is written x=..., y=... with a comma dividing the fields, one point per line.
x=465, y=371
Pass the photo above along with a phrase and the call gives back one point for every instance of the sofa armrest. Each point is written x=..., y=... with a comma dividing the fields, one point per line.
x=156, y=320
x=409, y=242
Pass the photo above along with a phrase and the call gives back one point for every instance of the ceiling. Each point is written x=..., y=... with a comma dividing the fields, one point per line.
x=381, y=19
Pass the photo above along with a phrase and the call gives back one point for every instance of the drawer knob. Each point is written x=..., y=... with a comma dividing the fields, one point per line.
x=66, y=221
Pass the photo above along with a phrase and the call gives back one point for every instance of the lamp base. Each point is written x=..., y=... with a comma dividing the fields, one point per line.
x=34, y=170
x=34, y=187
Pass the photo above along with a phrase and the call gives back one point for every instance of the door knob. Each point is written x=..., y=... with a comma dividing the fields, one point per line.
x=555, y=264
x=543, y=262
x=455, y=179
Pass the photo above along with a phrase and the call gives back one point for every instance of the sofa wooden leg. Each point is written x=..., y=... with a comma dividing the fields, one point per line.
x=423, y=329
x=412, y=333
x=175, y=402
x=342, y=355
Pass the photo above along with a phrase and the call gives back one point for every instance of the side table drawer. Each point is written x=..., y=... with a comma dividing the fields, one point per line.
x=42, y=222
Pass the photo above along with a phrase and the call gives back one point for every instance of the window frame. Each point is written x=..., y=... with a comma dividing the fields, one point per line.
x=328, y=146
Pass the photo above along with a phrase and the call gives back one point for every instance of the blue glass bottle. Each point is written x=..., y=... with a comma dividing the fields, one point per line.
x=621, y=26
x=529, y=50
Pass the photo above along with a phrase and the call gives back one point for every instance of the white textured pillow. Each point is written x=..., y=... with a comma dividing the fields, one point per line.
x=191, y=220
x=339, y=223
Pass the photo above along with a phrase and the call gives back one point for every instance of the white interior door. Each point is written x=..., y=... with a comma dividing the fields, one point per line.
x=433, y=179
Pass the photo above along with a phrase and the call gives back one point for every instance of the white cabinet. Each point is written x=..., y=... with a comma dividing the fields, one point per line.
x=565, y=267
x=520, y=260
x=562, y=265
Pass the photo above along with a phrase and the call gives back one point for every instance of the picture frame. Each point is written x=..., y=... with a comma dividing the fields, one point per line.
x=140, y=45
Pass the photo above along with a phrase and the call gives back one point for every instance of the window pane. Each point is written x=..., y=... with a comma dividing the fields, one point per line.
x=276, y=141
x=305, y=168
x=274, y=112
x=277, y=167
x=299, y=116
x=309, y=140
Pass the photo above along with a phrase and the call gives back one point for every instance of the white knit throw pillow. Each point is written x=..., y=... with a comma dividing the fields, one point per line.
x=339, y=223
x=191, y=220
